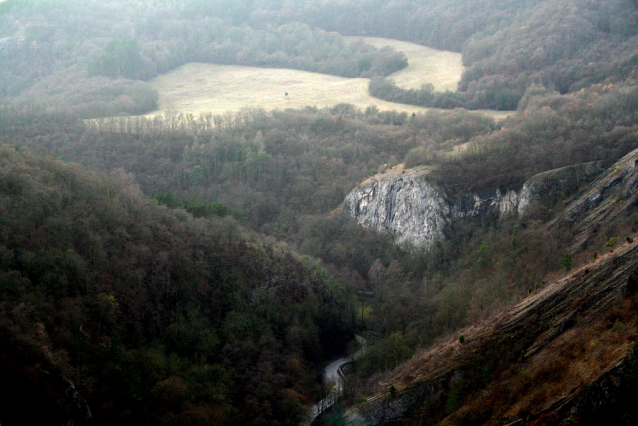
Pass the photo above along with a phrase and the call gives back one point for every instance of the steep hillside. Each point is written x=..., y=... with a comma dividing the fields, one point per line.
x=115, y=309
x=565, y=352
x=611, y=198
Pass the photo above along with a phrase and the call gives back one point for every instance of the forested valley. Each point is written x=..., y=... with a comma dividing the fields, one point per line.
x=186, y=269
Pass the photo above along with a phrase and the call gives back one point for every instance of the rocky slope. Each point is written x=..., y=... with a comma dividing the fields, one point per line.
x=614, y=194
x=403, y=203
x=564, y=352
x=418, y=212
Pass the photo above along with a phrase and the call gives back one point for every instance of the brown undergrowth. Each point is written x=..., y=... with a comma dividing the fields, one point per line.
x=532, y=361
x=565, y=366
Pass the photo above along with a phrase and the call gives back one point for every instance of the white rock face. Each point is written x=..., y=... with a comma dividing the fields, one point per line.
x=526, y=197
x=473, y=205
x=509, y=203
x=416, y=212
x=404, y=204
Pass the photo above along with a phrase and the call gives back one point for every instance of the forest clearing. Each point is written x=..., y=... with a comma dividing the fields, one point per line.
x=441, y=68
x=196, y=88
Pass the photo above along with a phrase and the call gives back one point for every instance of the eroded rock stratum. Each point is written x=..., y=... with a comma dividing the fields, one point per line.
x=418, y=211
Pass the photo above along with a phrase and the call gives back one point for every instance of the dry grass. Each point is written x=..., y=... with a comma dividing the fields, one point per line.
x=425, y=65
x=566, y=365
x=196, y=87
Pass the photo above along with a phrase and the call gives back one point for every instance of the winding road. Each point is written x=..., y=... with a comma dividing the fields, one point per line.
x=333, y=377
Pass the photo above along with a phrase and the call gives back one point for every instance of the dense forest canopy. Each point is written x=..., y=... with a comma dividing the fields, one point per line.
x=202, y=270
x=149, y=310
x=288, y=172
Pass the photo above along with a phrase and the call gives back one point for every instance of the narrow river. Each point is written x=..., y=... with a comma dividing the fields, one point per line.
x=334, y=379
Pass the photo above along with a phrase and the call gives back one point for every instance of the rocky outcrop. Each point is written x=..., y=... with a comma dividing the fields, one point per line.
x=403, y=203
x=611, y=391
x=612, y=195
x=545, y=190
x=493, y=203
x=417, y=212
x=526, y=336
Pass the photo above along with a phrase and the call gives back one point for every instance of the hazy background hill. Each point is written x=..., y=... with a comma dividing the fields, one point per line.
x=92, y=57
x=507, y=46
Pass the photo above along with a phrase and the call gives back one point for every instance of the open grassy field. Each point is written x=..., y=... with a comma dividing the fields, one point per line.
x=197, y=87
x=425, y=65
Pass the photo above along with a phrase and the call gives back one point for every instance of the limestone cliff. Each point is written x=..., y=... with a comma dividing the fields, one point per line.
x=403, y=203
x=417, y=211
x=574, y=338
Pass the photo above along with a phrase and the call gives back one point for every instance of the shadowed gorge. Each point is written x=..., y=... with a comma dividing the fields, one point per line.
x=150, y=311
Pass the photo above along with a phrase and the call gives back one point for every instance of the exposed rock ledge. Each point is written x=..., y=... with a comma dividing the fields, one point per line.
x=403, y=203
x=545, y=323
x=417, y=212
